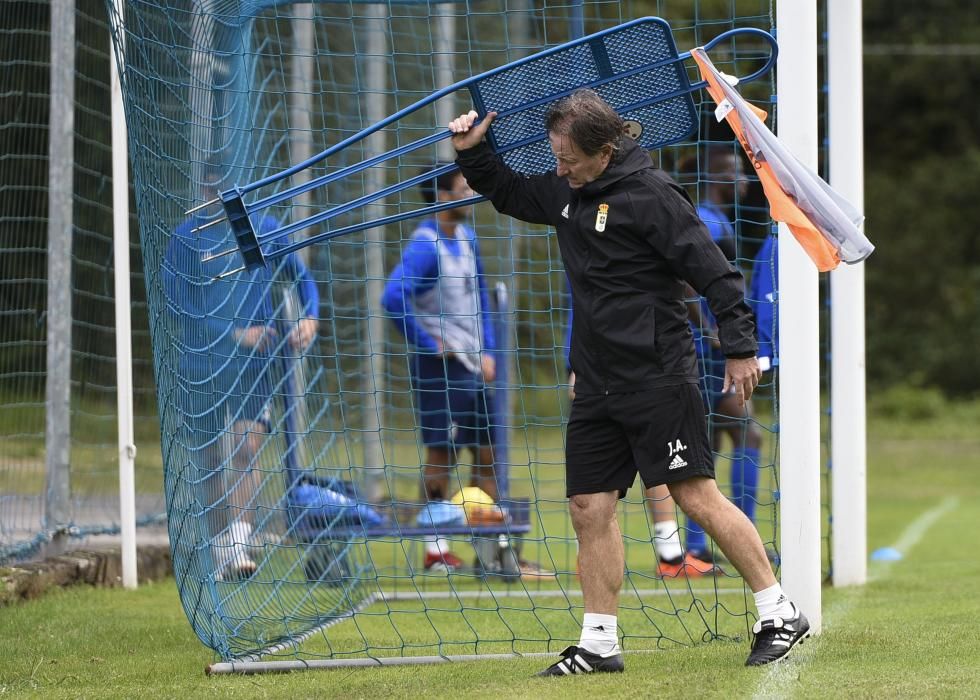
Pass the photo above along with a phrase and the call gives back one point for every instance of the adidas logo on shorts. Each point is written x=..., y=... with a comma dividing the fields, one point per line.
x=676, y=463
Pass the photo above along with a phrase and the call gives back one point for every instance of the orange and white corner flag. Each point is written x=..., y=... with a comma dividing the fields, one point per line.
x=824, y=223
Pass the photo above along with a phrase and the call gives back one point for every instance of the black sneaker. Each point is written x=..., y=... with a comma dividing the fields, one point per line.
x=575, y=660
x=775, y=637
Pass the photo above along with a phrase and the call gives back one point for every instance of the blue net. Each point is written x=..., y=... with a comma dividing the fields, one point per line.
x=292, y=434
x=43, y=510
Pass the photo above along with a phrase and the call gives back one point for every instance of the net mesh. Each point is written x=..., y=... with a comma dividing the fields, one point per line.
x=91, y=505
x=292, y=468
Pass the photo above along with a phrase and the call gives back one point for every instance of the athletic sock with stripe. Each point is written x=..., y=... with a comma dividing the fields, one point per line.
x=599, y=635
x=772, y=602
x=667, y=541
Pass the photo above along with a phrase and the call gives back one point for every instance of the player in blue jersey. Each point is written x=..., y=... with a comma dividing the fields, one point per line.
x=225, y=339
x=724, y=186
x=762, y=297
x=437, y=298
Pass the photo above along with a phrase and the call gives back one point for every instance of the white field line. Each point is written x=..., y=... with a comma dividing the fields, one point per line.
x=914, y=533
x=780, y=680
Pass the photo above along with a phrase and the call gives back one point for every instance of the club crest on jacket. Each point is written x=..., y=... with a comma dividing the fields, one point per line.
x=600, y=219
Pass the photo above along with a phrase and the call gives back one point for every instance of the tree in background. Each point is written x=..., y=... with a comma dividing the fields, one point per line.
x=922, y=146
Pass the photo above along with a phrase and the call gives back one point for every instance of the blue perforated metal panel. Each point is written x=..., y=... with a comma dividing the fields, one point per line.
x=635, y=69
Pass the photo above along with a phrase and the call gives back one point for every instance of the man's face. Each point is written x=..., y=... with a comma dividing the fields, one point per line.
x=730, y=179
x=461, y=190
x=573, y=165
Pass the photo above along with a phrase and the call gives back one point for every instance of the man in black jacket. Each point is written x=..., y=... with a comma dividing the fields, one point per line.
x=630, y=239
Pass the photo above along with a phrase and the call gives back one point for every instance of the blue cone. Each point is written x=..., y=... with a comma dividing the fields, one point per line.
x=886, y=554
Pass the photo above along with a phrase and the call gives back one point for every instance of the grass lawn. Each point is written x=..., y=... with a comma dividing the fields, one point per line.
x=909, y=632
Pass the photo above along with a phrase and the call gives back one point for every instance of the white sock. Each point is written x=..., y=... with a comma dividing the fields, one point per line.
x=437, y=545
x=772, y=602
x=599, y=634
x=667, y=540
x=233, y=546
x=237, y=532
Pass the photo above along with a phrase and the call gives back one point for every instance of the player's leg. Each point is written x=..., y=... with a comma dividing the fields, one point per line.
x=601, y=555
x=208, y=460
x=599, y=468
x=243, y=480
x=711, y=382
x=433, y=397
x=436, y=472
x=736, y=421
x=439, y=462
x=241, y=483
x=690, y=478
x=475, y=428
x=672, y=560
x=201, y=437
x=428, y=377
x=601, y=563
x=781, y=625
x=436, y=426
x=483, y=473
x=224, y=482
x=666, y=535
x=471, y=406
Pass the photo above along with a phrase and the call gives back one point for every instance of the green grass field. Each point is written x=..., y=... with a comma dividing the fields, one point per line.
x=908, y=633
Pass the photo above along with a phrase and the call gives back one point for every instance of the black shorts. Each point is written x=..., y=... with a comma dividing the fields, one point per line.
x=660, y=433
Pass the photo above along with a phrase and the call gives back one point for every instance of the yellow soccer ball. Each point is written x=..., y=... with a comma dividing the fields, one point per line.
x=478, y=506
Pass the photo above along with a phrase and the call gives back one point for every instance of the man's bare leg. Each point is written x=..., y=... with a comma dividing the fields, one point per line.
x=241, y=483
x=435, y=473
x=601, y=560
x=243, y=480
x=483, y=474
x=734, y=533
x=439, y=461
x=600, y=555
x=781, y=625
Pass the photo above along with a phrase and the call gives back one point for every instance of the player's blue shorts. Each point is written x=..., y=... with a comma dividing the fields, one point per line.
x=452, y=403
x=711, y=365
x=228, y=402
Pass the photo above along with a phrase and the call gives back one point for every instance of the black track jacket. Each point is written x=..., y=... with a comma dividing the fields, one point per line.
x=627, y=240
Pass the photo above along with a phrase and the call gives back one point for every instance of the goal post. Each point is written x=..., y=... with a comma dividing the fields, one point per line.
x=799, y=341
x=124, y=350
x=61, y=161
x=849, y=417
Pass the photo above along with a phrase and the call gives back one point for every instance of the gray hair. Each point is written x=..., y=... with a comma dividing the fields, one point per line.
x=587, y=120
